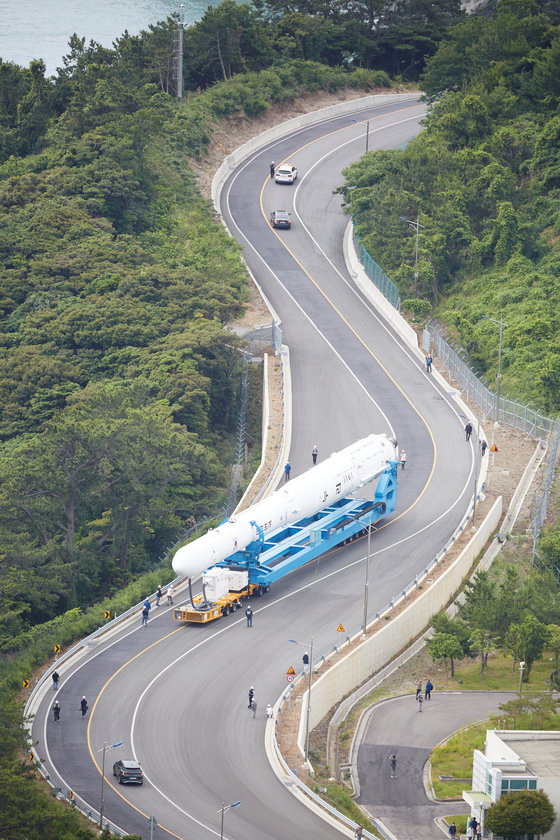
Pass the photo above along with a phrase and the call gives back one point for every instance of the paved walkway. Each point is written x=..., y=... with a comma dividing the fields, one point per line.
x=396, y=726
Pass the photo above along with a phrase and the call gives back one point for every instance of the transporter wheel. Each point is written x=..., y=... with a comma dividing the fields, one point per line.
x=234, y=606
x=258, y=591
x=225, y=611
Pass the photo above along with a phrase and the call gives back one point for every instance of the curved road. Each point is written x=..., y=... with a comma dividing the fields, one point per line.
x=394, y=726
x=177, y=696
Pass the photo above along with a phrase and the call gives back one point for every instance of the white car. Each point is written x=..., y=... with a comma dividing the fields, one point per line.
x=285, y=174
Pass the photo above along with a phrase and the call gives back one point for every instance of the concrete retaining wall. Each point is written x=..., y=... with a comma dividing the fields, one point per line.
x=376, y=651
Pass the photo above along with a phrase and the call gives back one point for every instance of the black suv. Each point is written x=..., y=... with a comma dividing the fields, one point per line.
x=128, y=772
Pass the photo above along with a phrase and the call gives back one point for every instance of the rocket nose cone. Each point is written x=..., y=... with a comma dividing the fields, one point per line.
x=188, y=561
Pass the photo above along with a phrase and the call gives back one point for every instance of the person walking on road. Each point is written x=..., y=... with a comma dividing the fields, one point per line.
x=359, y=832
x=483, y=447
x=305, y=660
x=470, y=831
x=403, y=458
x=249, y=616
x=84, y=706
x=55, y=679
x=159, y=593
x=287, y=470
x=429, y=361
x=428, y=692
x=269, y=711
x=251, y=695
x=170, y=596
x=56, y=710
x=272, y=169
x=418, y=688
x=452, y=831
x=393, y=760
x=314, y=453
x=468, y=431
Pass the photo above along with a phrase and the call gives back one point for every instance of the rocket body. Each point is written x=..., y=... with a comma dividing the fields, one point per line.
x=338, y=476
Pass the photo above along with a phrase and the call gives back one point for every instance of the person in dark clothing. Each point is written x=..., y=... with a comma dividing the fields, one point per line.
x=251, y=695
x=305, y=659
x=428, y=691
x=159, y=593
x=393, y=760
x=272, y=169
x=83, y=706
x=314, y=453
x=483, y=446
x=56, y=710
x=287, y=470
x=429, y=363
x=468, y=431
x=452, y=831
x=55, y=679
x=249, y=615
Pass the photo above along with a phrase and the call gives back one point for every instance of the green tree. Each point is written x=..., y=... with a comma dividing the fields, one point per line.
x=519, y=813
x=484, y=643
x=445, y=648
x=527, y=641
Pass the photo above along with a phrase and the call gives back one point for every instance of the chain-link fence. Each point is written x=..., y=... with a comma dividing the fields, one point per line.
x=502, y=409
x=377, y=275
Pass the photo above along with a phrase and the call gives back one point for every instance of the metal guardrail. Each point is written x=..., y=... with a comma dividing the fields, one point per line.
x=59, y=791
x=337, y=648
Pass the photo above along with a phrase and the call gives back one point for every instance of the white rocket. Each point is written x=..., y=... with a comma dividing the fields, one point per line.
x=336, y=477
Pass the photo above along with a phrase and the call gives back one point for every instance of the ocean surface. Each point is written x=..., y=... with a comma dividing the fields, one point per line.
x=41, y=28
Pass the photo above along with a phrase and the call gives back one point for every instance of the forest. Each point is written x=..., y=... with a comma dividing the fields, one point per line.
x=119, y=387
x=483, y=181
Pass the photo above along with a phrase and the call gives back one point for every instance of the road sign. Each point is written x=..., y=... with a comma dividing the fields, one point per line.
x=340, y=629
x=290, y=677
x=31, y=756
x=57, y=648
x=493, y=448
x=71, y=796
x=290, y=670
x=26, y=683
x=107, y=615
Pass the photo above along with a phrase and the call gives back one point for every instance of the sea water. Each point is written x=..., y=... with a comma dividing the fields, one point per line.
x=41, y=28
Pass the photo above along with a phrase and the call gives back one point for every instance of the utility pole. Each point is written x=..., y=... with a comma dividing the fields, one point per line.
x=416, y=225
x=180, y=57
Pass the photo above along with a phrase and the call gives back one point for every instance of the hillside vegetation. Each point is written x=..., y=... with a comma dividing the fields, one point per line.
x=483, y=180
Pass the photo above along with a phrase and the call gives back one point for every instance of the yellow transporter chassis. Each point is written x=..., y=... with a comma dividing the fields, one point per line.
x=223, y=606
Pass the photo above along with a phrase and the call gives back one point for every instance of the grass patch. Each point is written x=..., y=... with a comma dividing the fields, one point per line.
x=499, y=675
x=454, y=758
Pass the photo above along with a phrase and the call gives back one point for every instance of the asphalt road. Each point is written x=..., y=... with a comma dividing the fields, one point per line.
x=177, y=696
x=395, y=726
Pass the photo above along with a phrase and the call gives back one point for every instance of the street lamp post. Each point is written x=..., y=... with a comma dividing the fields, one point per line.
x=360, y=122
x=102, y=803
x=223, y=809
x=416, y=225
x=366, y=590
x=308, y=716
x=521, y=667
x=501, y=325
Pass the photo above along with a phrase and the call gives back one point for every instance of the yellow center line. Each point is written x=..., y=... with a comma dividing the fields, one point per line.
x=352, y=330
x=98, y=698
